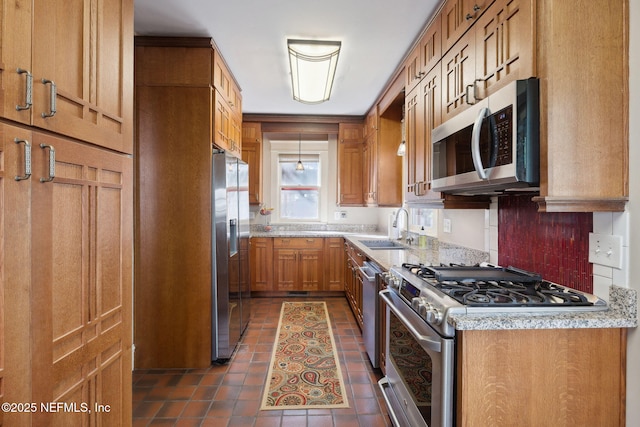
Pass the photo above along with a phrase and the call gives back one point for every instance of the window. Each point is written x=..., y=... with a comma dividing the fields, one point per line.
x=299, y=190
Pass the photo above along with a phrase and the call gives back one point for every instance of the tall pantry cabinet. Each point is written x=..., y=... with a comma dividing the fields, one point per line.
x=66, y=196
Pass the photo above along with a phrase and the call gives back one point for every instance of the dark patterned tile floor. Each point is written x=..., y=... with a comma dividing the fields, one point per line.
x=229, y=395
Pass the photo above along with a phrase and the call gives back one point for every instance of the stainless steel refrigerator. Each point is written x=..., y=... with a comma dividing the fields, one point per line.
x=231, y=290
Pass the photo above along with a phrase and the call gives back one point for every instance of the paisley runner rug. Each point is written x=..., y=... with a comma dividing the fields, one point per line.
x=304, y=372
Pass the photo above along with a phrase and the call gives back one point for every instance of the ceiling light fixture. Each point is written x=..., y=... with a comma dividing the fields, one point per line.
x=299, y=165
x=313, y=67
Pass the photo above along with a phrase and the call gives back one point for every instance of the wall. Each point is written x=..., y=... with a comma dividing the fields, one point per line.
x=555, y=245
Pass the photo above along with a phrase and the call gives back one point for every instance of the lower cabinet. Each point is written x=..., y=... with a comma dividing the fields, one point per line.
x=353, y=281
x=298, y=264
x=261, y=262
x=295, y=264
x=541, y=377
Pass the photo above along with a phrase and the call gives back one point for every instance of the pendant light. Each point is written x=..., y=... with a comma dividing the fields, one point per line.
x=299, y=165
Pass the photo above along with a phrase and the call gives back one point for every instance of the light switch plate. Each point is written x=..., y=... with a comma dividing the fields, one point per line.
x=446, y=225
x=605, y=249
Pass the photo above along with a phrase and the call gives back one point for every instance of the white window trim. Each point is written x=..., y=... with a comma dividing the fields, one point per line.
x=320, y=148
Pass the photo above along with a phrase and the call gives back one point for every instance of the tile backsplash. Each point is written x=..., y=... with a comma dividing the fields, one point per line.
x=555, y=245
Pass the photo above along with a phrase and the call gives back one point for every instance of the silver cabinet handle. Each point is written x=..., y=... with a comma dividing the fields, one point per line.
x=52, y=162
x=28, y=97
x=27, y=159
x=52, y=98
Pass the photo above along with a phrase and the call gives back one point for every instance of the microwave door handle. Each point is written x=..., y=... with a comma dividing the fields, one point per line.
x=475, y=143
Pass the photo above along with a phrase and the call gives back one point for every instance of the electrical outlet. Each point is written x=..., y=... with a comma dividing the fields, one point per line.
x=605, y=250
x=340, y=215
x=446, y=225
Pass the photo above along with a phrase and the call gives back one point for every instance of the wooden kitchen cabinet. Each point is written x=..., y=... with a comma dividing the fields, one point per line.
x=67, y=227
x=583, y=69
x=353, y=280
x=261, y=256
x=350, y=164
x=298, y=264
x=496, y=50
x=334, y=259
x=80, y=68
x=68, y=243
x=425, y=54
x=252, y=155
x=83, y=269
x=457, y=17
x=566, y=377
x=177, y=106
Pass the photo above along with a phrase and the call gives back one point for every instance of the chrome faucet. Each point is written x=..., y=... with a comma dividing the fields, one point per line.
x=395, y=223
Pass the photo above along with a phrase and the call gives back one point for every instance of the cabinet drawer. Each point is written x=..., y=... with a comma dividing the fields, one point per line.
x=298, y=242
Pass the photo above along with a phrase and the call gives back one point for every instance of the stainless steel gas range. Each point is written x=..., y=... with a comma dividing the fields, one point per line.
x=420, y=348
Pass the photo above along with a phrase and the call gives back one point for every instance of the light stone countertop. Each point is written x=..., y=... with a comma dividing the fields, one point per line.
x=622, y=311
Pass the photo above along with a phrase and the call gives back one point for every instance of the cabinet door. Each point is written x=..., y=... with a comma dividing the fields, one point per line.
x=261, y=261
x=412, y=69
x=16, y=73
x=252, y=155
x=15, y=280
x=431, y=117
x=221, y=121
x=82, y=276
x=412, y=117
x=286, y=269
x=86, y=49
x=350, y=174
x=334, y=256
x=310, y=269
x=431, y=46
x=504, y=45
x=458, y=77
x=457, y=17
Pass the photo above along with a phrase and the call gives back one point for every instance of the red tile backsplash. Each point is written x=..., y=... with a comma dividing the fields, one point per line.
x=555, y=245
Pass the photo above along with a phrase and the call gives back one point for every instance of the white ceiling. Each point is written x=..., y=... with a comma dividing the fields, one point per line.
x=252, y=34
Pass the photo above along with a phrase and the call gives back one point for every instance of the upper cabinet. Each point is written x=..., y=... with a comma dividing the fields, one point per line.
x=457, y=17
x=53, y=80
x=496, y=50
x=195, y=62
x=252, y=155
x=582, y=63
x=350, y=164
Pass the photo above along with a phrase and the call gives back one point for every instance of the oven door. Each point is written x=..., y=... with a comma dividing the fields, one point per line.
x=418, y=387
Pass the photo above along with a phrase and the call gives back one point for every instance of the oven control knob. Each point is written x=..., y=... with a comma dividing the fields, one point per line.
x=433, y=316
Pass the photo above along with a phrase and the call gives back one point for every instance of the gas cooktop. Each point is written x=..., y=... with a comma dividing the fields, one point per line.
x=439, y=292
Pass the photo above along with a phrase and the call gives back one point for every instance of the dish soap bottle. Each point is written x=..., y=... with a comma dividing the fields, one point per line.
x=422, y=239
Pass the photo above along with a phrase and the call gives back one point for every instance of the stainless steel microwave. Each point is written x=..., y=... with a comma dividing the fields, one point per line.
x=492, y=147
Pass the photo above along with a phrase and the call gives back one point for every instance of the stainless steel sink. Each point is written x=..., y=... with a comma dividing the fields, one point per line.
x=383, y=244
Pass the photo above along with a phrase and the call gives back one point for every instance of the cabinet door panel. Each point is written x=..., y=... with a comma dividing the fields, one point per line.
x=261, y=264
x=286, y=271
x=504, y=45
x=458, y=76
x=15, y=39
x=15, y=280
x=86, y=49
x=83, y=220
x=310, y=265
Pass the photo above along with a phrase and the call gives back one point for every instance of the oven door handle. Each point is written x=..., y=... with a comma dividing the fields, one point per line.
x=430, y=343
